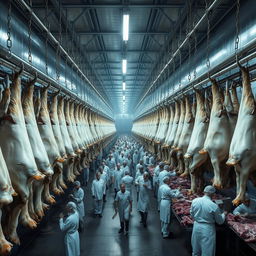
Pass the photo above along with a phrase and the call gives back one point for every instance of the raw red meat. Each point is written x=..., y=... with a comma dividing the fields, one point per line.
x=245, y=228
x=186, y=220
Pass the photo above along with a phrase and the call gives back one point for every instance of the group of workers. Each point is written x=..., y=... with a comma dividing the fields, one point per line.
x=128, y=165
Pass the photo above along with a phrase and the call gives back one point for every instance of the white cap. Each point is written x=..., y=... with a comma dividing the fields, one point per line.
x=209, y=189
x=72, y=206
x=167, y=167
x=77, y=183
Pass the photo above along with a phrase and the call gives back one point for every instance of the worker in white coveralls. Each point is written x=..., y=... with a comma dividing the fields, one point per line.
x=138, y=174
x=165, y=206
x=118, y=175
x=78, y=197
x=162, y=174
x=97, y=194
x=104, y=178
x=128, y=181
x=247, y=208
x=205, y=214
x=123, y=205
x=69, y=226
x=144, y=185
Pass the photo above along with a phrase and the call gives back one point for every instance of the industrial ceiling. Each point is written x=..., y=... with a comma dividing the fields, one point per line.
x=93, y=32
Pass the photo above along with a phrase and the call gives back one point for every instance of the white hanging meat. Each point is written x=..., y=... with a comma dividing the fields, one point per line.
x=38, y=148
x=6, y=191
x=197, y=141
x=18, y=156
x=185, y=138
x=165, y=145
x=218, y=136
x=171, y=139
x=46, y=133
x=242, y=152
x=59, y=182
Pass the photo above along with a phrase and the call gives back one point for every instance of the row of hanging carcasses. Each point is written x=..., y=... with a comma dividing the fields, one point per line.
x=208, y=132
x=46, y=139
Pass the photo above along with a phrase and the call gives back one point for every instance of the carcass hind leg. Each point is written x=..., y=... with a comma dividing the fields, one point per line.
x=5, y=246
x=47, y=197
x=216, y=180
x=38, y=205
x=25, y=218
x=244, y=175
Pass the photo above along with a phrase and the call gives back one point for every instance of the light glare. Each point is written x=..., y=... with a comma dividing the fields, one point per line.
x=124, y=66
x=125, y=27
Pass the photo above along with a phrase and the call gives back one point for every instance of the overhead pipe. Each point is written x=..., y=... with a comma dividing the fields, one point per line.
x=222, y=48
x=25, y=5
x=47, y=81
x=215, y=2
x=191, y=86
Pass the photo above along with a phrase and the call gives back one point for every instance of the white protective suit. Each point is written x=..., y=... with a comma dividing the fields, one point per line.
x=128, y=181
x=118, y=174
x=97, y=193
x=205, y=214
x=143, y=202
x=123, y=200
x=78, y=196
x=70, y=227
x=165, y=207
x=125, y=169
x=112, y=165
x=104, y=178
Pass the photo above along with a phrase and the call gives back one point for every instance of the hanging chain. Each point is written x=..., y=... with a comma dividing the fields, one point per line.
x=195, y=54
x=189, y=60
x=47, y=36
x=29, y=34
x=208, y=64
x=237, y=29
x=58, y=54
x=180, y=67
x=9, y=27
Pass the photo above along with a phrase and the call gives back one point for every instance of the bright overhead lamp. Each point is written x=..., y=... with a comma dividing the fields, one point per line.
x=124, y=66
x=123, y=97
x=125, y=27
x=124, y=86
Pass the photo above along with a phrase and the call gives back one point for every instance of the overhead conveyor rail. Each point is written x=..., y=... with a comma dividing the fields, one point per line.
x=71, y=78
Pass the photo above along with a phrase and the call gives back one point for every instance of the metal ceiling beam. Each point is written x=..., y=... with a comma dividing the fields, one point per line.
x=119, y=62
x=119, y=33
x=58, y=9
x=120, y=51
x=104, y=5
x=120, y=6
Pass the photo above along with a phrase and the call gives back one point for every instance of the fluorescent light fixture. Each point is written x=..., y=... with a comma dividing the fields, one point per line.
x=123, y=97
x=124, y=86
x=124, y=66
x=125, y=27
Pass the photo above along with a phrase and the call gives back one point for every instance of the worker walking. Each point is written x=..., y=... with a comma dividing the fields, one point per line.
x=144, y=185
x=97, y=194
x=128, y=181
x=205, y=214
x=123, y=205
x=165, y=206
x=70, y=227
x=78, y=197
x=117, y=178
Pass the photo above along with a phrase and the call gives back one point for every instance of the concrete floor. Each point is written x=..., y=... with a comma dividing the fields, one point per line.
x=100, y=236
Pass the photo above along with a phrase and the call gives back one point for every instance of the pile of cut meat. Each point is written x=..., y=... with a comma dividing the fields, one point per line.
x=182, y=206
x=244, y=227
x=180, y=182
